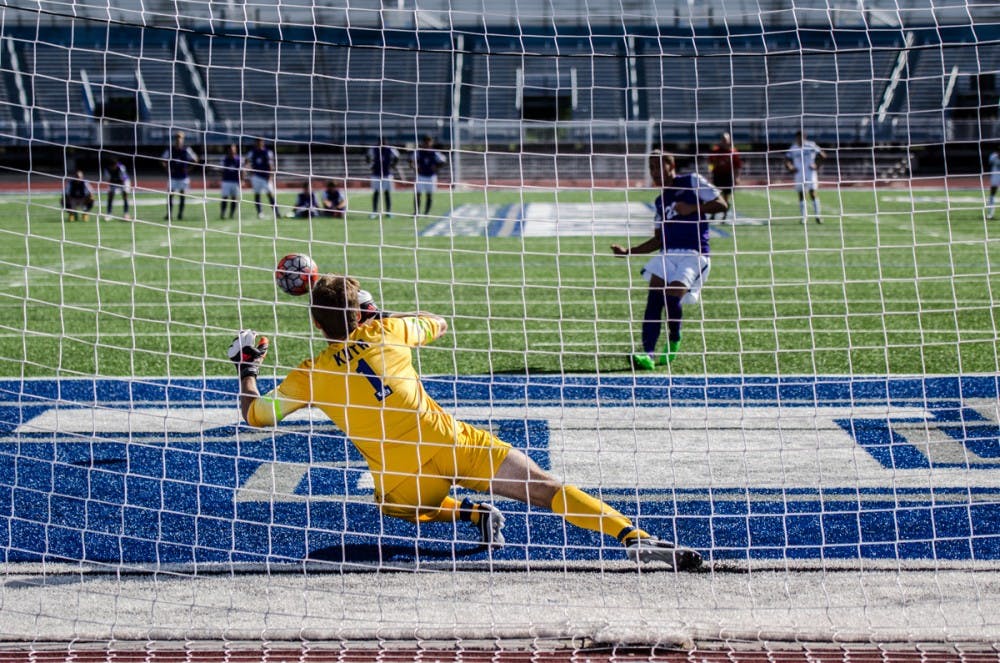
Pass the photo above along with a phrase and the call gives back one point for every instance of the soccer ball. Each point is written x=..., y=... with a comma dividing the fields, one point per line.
x=296, y=273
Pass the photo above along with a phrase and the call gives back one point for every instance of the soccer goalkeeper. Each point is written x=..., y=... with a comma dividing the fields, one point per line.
x=366, y=383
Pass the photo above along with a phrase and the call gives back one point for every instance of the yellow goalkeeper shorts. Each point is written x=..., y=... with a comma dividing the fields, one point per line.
x=471, y=463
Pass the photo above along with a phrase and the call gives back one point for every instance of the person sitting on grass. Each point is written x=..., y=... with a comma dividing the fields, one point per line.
x=334, y=202
x=78, y=197
x=305, y=203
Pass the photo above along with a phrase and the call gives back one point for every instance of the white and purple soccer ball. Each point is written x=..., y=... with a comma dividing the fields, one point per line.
x=296, y=274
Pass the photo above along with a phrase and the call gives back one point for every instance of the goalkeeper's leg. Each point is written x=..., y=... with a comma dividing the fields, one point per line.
x=520, y=478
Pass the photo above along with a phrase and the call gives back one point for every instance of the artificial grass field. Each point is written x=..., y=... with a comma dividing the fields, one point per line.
x=889, y=284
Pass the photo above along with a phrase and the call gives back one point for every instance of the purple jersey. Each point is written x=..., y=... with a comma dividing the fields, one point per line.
x=688, y=232
x=230, y=166
x=261, y=162
x=117, y=174
x=383, y=160
x=305, y=201
x=179, y=161
x=333, y=197
x=427, y=162
x=78, y=189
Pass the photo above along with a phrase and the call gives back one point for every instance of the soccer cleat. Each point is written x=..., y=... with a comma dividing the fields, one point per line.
x=652, y=549
x=373, y=215
x=260, y=215
x=490, y=525
x=819, y=220
x=669, y=353
x=642, y=362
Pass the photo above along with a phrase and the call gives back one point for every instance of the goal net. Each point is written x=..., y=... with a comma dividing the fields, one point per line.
x=792, y=372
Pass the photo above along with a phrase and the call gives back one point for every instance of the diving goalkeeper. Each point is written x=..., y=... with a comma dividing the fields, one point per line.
x=365, y=381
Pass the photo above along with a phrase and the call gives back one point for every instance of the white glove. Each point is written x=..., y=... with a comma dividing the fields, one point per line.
x=247, y=352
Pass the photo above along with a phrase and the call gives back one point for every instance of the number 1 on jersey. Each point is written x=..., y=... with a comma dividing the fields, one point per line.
x=381, y=389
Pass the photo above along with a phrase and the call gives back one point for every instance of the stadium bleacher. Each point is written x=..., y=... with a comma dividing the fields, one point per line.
x=351, y=86
x=55, y=92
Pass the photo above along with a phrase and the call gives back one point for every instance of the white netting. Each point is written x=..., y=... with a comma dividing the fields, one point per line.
x=825, y=434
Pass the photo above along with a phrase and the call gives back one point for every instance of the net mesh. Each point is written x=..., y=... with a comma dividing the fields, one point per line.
x=821, y=425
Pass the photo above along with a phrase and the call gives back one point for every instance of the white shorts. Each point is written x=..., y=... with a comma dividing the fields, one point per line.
x=381, y=183
x=995, y=180
x=230, y=189
x=179, y=186
x=426, y=184
x=261, y=184
x=810, y=183
x=687, y=267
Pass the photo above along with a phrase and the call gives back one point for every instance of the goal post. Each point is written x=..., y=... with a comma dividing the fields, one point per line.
x=800, y=386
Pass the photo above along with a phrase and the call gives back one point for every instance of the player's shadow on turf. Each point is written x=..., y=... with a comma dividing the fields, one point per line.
x=364, y=553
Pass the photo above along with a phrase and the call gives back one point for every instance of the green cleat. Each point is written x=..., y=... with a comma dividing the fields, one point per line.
x=669, y=352
x=642, y=362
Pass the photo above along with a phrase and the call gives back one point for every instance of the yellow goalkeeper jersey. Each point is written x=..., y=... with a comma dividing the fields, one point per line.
x=370, y=389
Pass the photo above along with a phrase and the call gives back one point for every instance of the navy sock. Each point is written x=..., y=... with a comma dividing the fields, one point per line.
x=652, y=320
x=674, y=316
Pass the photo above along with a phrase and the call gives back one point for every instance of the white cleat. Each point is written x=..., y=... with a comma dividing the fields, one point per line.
x=653, y=549
x=490, y=526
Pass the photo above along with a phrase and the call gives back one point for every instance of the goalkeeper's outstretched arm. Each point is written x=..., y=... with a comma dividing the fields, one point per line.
x=247, y=353
x=421, y=328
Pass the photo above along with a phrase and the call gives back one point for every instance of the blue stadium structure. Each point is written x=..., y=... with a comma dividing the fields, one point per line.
x=289, y=78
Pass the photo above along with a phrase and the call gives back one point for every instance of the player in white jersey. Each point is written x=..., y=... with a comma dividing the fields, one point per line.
x=803, y=159
x=994, y=182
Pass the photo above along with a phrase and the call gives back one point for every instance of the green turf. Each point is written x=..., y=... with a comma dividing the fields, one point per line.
x=881, y=287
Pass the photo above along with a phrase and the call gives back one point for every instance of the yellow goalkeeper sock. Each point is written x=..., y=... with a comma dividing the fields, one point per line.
x=588, y=512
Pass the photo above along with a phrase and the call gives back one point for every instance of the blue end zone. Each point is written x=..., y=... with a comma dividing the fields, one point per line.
x=147, y=496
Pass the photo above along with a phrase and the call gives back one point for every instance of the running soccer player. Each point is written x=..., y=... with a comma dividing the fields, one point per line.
x=231, y=165
x=994, y=182
x=366, y=383
x=382, y=159
x=260, y=162
x=116, y=175
x=803, y=159
x=680, y=268
x=725, y=164
x=78, y=197
x=426, y=163
x=177, y=160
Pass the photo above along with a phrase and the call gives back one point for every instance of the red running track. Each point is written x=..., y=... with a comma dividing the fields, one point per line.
x=358, y=653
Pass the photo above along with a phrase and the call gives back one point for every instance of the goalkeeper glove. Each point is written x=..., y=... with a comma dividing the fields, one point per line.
x=368, y=307
x=248, y=353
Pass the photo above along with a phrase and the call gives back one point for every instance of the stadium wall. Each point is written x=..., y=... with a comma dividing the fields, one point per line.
x=331, y=140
